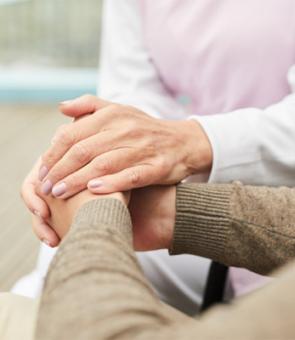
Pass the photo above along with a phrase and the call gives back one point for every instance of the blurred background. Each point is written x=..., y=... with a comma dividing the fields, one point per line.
x=48, y=53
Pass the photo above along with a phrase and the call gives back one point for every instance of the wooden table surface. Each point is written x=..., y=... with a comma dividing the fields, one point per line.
x=25, y=131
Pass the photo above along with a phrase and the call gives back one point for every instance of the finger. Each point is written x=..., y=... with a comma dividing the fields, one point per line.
x=33, y=202
x=66, y=136
x=82, y=105
x=128, y=179
x=81, y=154
x=44, y=232
x=105, y=164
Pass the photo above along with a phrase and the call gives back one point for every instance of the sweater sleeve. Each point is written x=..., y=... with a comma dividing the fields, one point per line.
x=96, y=290
x=237, y=225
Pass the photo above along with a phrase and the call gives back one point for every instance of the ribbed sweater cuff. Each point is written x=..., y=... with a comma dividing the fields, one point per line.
x=108, y=212
x=202, y=220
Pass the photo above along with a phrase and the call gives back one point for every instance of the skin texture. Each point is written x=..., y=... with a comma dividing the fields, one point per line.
x=152, y=211
x=116, y=146
x=64, y=211
x=39, y=208
x=120, y=148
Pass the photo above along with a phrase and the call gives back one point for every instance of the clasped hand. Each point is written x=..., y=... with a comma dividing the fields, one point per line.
x=112, y=148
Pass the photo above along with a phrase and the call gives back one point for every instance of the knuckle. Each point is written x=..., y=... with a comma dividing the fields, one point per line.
x=114, y=107
x=134, y=177
x=39, y=192
x=49, y=157
x=133, y=113
x=162, y=167
x=60, y=131
x=103, y=165
x=133, y=129
x=80, y=153
x=113, y=110
x=64, y=135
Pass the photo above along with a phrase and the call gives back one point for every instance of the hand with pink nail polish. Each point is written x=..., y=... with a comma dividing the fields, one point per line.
x=119, y=148
x=38, y=207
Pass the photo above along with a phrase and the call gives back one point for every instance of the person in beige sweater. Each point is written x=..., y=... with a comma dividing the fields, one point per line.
x=95, y=288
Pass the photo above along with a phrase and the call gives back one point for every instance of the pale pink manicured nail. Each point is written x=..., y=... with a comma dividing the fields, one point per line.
x=95, y=183
x=59, y=189
x=46, y=187
x=43, y=172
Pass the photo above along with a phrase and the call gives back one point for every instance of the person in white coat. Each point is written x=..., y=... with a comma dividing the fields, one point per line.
x=221, y=77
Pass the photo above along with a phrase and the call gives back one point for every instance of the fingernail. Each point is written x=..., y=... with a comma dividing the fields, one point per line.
x=95, y=184
x=59, y=189
x=43, y=172
x=46, y=187
x=46, y=242
x=66, y=102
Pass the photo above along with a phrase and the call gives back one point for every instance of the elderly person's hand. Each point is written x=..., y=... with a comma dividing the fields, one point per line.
x=118, y=148
x=152, y=210
x=64, y=211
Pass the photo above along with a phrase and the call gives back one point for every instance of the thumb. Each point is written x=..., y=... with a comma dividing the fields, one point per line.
x=83, y=105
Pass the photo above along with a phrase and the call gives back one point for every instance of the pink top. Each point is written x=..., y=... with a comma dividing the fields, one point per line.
x=223, y=55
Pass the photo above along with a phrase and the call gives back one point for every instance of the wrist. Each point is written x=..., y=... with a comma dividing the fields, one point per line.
x=153, y=211
x=199, y=150
x=167, y=207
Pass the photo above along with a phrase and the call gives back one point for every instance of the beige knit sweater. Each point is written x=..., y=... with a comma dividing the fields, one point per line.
x=95, y=288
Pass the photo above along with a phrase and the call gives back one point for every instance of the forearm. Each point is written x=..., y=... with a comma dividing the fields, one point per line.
x=95, y=288
x=236, y=225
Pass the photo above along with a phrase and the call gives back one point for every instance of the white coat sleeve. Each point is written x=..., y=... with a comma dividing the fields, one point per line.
x=252, y=145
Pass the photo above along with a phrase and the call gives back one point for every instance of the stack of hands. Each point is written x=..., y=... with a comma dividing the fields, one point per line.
x=109, y=150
